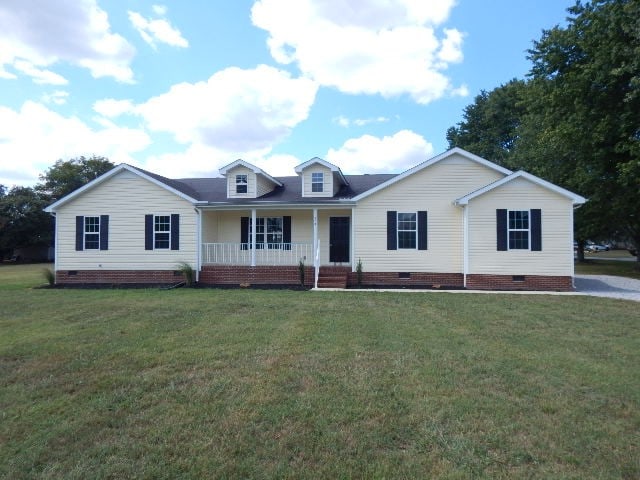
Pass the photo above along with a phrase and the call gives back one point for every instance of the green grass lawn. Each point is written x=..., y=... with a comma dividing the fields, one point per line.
x=603, y=266
x=281, y=384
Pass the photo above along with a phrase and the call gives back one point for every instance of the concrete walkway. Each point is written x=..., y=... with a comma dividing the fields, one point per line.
x=608, y=286
x=593, y=285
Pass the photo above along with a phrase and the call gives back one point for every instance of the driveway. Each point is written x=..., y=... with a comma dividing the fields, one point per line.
x=608, y=286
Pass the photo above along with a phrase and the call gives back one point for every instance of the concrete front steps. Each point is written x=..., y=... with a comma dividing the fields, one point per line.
x=333, y=277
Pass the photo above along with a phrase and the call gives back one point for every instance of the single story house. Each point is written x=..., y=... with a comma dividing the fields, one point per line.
x=455, y=220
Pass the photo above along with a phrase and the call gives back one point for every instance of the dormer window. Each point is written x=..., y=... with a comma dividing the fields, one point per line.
x=241, y=183
x=317, y=182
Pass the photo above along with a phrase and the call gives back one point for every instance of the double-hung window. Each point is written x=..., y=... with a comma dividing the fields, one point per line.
x=161, y=232
x=407, y=230
x=269, y=232
x=317, y=182
x=518, y=229
x=241, y=183
x=91, y=233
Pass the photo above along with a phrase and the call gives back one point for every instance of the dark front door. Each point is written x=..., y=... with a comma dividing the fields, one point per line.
x=339, y=239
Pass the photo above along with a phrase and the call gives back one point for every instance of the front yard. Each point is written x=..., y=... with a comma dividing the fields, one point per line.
x=282, y=384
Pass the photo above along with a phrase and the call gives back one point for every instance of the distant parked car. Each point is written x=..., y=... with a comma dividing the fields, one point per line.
x=595, y=248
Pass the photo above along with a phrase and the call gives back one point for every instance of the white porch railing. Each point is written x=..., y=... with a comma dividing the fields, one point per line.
x=266, y=254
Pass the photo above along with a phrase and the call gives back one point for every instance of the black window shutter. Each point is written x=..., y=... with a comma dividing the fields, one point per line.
x=148, y=232
x=536, y=230
x=244, y=233
x=104, y=232
x=286, y=232
x=422, y=230
x=501, y=230
x=175, y=231
x=392, y=234
x=79, y=232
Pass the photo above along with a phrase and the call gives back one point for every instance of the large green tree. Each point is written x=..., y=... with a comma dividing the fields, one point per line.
x=578, y=116
x=65, y=176
x=24, y=223
x=490, y=126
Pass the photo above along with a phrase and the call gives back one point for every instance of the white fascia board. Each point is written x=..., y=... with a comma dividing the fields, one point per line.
x=241, y=163
x=335, y=169
x=431, y=161
x=575, y=198
x=278, y=206
x=106, y=176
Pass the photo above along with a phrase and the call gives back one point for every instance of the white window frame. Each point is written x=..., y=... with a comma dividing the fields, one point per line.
x=95, y=231
x=509, y=229
x=157, y=232
x=262, y=232
x=242, y=180
x=414, y=230
x=315, y=182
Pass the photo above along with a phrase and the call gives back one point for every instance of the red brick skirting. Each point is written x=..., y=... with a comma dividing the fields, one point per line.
x=407, y=279
x=289, y=275
x=519, y=282
x=247, y=276
x=117, y=277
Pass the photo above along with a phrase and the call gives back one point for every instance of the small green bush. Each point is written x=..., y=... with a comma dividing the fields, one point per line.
x=188, y=272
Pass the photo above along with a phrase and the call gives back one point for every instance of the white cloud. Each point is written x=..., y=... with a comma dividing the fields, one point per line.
x=160, y=10
x=389, y=154
x=359, y=122
x=34, y=137
x=39, y=75
x=157, y=30
x=386, y=47
x=59, y=97
x=110, y=107
x=235, y=110
x=37, y=34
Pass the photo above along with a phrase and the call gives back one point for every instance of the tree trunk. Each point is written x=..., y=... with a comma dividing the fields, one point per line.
x=581, y=244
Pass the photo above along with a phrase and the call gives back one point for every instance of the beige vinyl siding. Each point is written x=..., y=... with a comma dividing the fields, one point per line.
x=433, y=189
x=264, y=185
x=126, y=198
x=251, y=183
x=556, y=257
x=327, y=188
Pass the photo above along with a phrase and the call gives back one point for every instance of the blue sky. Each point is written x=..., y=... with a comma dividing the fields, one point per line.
x=183, y=88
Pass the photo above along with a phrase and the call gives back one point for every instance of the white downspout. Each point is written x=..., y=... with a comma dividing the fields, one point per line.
x=253, y=237
x=352, y=241
x=465, y=243
x=199, y=249
x=573, y=261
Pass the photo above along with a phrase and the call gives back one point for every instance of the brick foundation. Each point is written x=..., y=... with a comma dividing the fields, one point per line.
x=407, y=279
x=519, y=282
x=260, y=275
x=289, y=275
x=117, y=277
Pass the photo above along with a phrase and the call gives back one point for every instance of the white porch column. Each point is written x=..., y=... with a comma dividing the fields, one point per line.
x=253, y=237
x=315, y=235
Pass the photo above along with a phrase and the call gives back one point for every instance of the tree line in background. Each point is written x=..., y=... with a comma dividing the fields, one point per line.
x=575, y=119
x=23, y=222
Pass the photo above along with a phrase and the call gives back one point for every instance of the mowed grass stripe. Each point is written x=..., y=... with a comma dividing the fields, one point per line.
x=282, y=384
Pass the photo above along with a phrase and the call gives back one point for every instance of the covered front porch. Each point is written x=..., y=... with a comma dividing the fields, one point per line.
x=269, y=237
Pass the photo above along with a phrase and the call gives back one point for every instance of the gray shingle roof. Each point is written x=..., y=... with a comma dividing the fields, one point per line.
x=214, y=190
